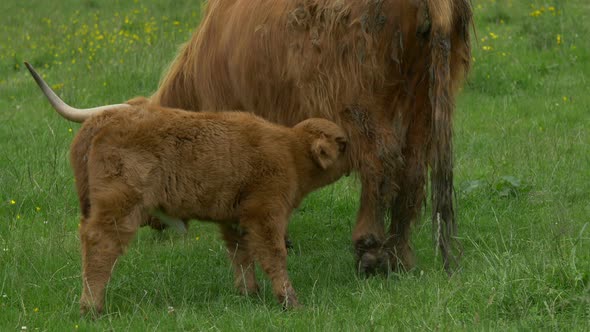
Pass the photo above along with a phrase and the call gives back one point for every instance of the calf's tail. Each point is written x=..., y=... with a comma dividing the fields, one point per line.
x=65, y=110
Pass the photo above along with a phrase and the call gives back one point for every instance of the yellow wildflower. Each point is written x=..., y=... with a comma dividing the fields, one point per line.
x=12, y=202
x=38, y=209
x=558, y=38
x=57, y=86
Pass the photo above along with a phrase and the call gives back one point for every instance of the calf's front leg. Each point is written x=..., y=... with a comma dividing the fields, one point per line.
x=242, y=260
x=265, y=236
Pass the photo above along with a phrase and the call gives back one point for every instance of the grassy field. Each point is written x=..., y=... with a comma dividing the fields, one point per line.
x=522, y=177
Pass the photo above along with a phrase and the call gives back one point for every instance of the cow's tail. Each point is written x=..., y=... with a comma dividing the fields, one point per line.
x=442, y=86
x=441, y=159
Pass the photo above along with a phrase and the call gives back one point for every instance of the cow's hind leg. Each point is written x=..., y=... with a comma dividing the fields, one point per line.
x=405, y=208
x=104, y=237
x=242, y=260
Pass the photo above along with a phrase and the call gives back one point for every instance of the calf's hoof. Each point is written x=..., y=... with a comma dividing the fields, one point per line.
x=288, y=242
x=90, y=311
x=289, y=300
x=248, y=290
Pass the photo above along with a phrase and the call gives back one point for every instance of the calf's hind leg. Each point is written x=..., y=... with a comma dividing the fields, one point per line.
x=104, y=238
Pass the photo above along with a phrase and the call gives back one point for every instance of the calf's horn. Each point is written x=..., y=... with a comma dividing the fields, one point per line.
x=65, y=110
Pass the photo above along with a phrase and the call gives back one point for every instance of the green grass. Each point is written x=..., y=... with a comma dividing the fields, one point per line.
x=522, y=178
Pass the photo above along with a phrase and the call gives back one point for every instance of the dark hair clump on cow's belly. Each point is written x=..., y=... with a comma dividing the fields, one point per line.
x=387, y=71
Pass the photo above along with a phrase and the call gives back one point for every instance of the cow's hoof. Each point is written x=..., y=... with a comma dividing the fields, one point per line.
x=401, y=258
x=372, y=263
x=370, y=258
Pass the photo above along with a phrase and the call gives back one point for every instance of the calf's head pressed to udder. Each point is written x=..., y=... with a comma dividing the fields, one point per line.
x=234, y=168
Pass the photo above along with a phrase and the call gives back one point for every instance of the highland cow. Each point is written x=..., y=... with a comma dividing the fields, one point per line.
x=234, y=168
x=386, y=71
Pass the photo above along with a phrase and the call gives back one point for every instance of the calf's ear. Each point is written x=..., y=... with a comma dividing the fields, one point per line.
x=320, y=152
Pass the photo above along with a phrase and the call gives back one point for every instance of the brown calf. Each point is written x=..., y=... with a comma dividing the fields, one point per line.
x=234, y=168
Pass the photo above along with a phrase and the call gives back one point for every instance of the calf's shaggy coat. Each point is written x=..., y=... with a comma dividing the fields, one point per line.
x=234, y=168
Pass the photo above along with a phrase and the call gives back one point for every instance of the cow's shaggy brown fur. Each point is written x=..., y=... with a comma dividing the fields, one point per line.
x=387, y=71
x=235, y=168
